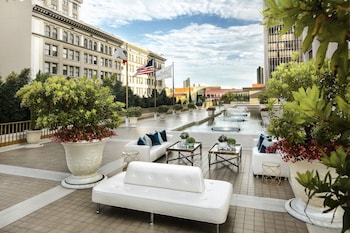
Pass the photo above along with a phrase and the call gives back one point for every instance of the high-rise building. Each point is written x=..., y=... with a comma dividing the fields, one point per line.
x=48, y=36
x=280, y=48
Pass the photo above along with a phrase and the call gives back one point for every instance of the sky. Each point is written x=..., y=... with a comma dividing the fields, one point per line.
x=212, y=42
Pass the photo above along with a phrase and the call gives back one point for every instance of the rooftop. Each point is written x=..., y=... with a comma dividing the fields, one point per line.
x=32, y=199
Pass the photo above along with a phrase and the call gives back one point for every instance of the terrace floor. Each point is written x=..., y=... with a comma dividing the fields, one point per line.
x=32, y=199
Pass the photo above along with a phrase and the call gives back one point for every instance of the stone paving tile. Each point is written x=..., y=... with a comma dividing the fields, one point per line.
x=16, y=189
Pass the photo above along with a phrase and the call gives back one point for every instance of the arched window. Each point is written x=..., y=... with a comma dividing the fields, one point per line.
x=54, y=33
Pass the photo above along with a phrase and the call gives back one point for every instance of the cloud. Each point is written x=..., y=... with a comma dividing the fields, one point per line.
x=209, y=54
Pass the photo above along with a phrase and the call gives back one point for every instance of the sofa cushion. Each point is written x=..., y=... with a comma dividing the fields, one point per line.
x=266, y=143
x=148, y=140
x=168, y=176
x=261, y=139
x=155, y=139
x=163, y=135
x=141, y=141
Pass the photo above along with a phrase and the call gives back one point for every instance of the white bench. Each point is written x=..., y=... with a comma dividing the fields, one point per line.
x=166, y=189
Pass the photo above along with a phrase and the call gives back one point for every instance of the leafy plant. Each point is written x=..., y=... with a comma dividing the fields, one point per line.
x=222, y=138
x=184, y=135
x=163, y=109
x=191, y=106
x=190, y=140
x=81, y=109
x=231, y=141
x=134, y=112
x=178, y=107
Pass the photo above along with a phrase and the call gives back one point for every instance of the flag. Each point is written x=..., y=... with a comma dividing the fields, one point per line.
x=145, y=69
x=122, y=54
x=164, y=73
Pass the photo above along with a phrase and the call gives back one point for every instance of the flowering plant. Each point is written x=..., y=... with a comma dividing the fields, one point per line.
x=80, y=109
x=310, y=150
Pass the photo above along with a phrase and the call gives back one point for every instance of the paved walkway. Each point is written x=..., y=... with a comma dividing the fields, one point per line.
x=32, y=199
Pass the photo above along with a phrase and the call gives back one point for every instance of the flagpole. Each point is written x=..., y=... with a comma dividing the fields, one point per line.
x=127, y=86
x=155, y=95
x=173, y=86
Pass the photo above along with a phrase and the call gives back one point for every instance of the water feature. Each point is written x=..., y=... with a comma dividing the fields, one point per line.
x=235, y=120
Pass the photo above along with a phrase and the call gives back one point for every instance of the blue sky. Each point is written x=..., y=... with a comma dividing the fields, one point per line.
x=212, y=42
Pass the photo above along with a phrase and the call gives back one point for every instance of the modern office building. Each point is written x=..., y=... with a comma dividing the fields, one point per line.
x=48, y=36
x=279, y=48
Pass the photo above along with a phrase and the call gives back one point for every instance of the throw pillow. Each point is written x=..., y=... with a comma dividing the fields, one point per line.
x=154, y=138
x=163, y=135
x=159, y=137
x=148, y=140
x=261, y=139
x=265, y=144
x=141, y=141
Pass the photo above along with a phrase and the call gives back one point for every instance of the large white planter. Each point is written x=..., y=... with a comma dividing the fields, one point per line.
x=133, y=121
x=33, y=138
x=83, y=160
x=313, y=212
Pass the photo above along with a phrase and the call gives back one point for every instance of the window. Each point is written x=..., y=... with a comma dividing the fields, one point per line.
x=95, y=46
x=71, y=54
x=71, y=71
x=54, y=68
x=77, y=55
x=47, y=49
x=64, y=2
x=75, y=16
x=95, y=60
x=90, y=59
x=77, y=40
x=54, y=33
x=65, y=36
x=85, y=72
x=77, y=72
x=71, y=38
x=101, y=48
x=54, y=50
x=64, y=11
x=85, y=43
x=85, y=58
x=65, y=53
x=47, y=31
x=90, y=44
x=64, y=70
x=75, y=6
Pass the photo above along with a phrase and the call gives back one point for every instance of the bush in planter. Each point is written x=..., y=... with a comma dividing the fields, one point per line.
x=178, y=107
x=134, y=112
x=163, y=109
x=191, y=106
x=82, y=109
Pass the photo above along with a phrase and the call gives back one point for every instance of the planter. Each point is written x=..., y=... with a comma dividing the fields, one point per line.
x=211, y=112
x=313, y=212
x=33, y=138
x=83, y=160
x=162, y=116
x=133, y=121
x=222, y=145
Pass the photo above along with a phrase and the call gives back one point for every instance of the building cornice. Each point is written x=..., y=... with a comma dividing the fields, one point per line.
x=75, y=24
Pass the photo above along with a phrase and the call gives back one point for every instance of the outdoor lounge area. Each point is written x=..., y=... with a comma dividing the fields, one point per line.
x=33, y=200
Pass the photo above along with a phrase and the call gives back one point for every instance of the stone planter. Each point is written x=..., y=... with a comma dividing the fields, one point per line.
x=33, y=138
x=133, y=121
x=83, y=160
x=313, y=212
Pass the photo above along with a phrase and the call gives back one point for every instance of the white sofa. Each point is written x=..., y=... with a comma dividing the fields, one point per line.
x=167, y=189
x=259, y=158
x=149, y=153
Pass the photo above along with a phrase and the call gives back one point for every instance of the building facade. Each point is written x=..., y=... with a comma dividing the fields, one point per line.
x=48, y=36
x=279, y=48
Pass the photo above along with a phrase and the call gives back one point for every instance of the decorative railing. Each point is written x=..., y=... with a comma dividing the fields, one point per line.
x=14, y=132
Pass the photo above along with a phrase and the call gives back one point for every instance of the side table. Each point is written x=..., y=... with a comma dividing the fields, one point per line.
x=271, y=171
x=128, y=157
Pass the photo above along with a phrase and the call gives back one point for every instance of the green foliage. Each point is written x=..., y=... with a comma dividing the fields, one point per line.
x=178, y=107
x=190, y=140
x=191, y=106
x=334, y=190
x=328, y=21
x=71, y=103
x=9, y=103
x=134, y=111
x=163, y=109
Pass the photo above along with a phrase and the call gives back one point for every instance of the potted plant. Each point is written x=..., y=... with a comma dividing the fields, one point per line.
x=191, y=106
x=162, y=110
x=133, y=113
x=178, y=108
x=199, y=104
x=190, y=142
x=231, y=143
x=222, y=142
x=83, y=113
x=211, y=111
x=183, y=136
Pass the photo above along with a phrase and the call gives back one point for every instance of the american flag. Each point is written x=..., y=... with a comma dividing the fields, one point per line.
x=145, y=69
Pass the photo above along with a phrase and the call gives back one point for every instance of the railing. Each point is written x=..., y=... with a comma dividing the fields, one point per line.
x=14, y=132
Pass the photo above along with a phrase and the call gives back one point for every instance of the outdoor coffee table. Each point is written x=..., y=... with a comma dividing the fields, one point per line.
x=230, y=156
x=184, y=151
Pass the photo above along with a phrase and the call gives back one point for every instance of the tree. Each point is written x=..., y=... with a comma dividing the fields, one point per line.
x=327, y=110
